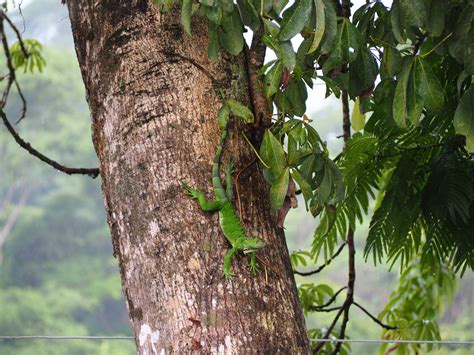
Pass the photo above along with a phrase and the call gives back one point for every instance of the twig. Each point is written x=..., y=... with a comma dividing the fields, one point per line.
x=92, y=172
x=376, y=320
x=346, y=119
x=328, y=331
x=11, y=69
x=309, y=273
x=331, y=300
x=237, y=176
x=23, y=102
x=350, y=289
x=18, y=35
x=326, y=309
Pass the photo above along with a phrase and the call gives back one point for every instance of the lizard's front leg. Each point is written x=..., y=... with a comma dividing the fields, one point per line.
x=206, y=205
x=227, y=262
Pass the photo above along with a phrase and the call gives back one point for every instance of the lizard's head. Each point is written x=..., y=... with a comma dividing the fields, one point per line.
x=249, y=245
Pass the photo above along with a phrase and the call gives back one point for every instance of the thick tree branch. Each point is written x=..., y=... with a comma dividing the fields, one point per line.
x=92, y=172
x=255, y=57
x=319, y=269
x=376, y=320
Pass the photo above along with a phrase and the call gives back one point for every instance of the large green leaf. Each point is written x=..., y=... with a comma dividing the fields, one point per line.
x=400, y=99
x=414, y=12
x=432, y=89
x=345, y=48
x=287, y=55
x=271, y=82
x=213, y=47
x=436, y=17
x=186, y=10
x=415, y=94
x=294, y=19
x=303, y=184
x=330, y=26
x=358, y=118
x=279, y=189
x=272, y=153
x=240, y=110
x=464, y=118
x=249, y=13
x=230, y=35
x=320, y=25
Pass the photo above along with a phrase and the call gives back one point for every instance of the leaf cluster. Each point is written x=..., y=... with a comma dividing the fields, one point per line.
x=33, y=61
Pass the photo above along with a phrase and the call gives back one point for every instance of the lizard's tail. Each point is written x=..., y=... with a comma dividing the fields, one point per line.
x=216, y=179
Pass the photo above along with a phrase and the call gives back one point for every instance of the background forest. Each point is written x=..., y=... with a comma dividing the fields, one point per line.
x=57, y=273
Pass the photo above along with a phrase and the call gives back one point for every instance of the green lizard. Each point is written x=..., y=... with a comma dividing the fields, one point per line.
x=228, y=220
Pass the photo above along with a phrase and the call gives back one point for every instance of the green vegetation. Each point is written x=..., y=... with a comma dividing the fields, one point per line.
x=58, y=276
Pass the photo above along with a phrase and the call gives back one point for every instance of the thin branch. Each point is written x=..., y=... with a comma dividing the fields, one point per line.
x=346, y=126
x=237, y=177
x=92, y=172
x=18, y=35
x=326, y=309
x=346, y=119
x=328, y=331
x=23, y=102
x=331, y=300
x=319, y=269
x=350, y=289
x=376, y=320
x=11, y=69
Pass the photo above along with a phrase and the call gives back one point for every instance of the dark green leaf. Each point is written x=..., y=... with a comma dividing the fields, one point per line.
x=272, y=153
x=294, y=19
x=303, y=184
x=431, y=88
x=213, y=47
x=230, y=35
x=279, y=189
x=464, y=118
x=271, y=82
x=240, y=110
x=186, y=15
x=414, y=12
x=320, y=25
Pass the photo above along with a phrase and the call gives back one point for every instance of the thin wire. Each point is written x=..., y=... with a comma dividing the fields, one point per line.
x=88, y=337
x=440, y=342
x=66, y=337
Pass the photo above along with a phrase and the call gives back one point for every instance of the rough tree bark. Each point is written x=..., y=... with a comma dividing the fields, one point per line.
x=153, y=96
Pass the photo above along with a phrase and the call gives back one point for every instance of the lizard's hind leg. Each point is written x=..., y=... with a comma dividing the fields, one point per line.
x=253, y=266
x=228, y=261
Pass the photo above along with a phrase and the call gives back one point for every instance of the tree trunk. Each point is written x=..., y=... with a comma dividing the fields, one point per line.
x=153, y=96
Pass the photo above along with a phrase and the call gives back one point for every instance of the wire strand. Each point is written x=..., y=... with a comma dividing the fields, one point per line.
x=373, y=341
